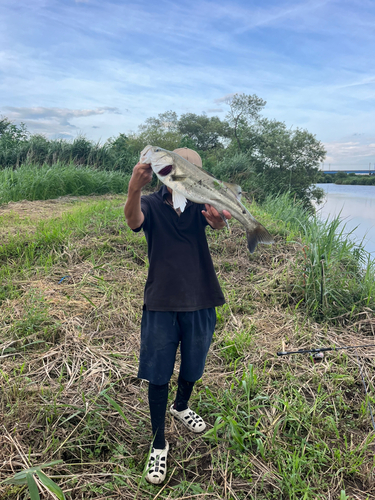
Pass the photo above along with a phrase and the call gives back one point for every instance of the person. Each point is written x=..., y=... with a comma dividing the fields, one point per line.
x=180, y=296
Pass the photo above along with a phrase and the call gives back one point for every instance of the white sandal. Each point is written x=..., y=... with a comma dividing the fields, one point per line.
x=190, y=419
x=157, y=465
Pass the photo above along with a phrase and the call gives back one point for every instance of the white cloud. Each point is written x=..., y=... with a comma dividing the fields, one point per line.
x=224, y=98
x=347, y=153
x=52, y=121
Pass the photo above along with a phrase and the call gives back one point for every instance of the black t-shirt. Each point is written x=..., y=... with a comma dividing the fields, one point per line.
x=181, y=274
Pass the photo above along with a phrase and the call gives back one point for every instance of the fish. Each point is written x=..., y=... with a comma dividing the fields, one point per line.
x=189, y=182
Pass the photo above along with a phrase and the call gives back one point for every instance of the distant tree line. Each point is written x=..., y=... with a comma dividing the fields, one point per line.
x=264, y=156
x=348, y=179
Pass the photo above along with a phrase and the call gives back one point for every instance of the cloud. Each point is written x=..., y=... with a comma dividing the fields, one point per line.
x=215, y=110
x=53, y=120
x=224, y=98
x=350, y=153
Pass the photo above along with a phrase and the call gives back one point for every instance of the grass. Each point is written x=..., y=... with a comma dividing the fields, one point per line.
x=35, y=182
x=71, y=287
x=333, y=277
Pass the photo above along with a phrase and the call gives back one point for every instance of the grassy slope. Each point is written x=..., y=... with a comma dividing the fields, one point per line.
x=279, y=428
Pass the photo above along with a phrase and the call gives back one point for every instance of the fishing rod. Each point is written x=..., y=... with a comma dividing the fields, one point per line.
x=322, y=349
x=317, y=358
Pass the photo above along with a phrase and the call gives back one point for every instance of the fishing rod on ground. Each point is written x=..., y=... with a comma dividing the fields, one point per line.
x=322, y=349
x=318, y=356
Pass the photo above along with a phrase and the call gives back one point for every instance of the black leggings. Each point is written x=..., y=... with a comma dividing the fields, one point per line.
x=158, y=399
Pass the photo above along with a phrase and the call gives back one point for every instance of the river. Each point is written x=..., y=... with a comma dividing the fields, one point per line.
x=357, y=206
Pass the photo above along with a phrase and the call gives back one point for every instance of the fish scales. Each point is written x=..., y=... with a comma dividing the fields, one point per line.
x=190, y=182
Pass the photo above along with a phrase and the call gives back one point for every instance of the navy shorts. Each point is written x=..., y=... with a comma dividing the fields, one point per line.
x=162, y=332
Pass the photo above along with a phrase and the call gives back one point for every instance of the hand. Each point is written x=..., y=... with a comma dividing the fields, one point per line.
x=142, y=175
x=214, y=218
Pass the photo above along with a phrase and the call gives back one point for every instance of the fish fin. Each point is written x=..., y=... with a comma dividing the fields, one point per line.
x=235, y=189
x=179, y=200
x=176, y=177
x=226, y=222
x=258, y=235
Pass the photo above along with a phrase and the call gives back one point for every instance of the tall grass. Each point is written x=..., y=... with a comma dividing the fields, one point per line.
x=37, y=149
x=334, y=275
x=33, y=182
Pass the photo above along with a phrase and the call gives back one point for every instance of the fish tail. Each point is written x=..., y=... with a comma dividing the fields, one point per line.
x=256, y=235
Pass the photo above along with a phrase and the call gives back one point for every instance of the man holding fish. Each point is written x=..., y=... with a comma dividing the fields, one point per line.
x=182, y=289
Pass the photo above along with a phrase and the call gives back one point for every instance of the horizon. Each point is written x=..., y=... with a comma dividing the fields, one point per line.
x=84, y=67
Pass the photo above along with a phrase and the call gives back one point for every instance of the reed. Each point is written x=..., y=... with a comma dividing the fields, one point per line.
x=333, y=273
x=34, y=182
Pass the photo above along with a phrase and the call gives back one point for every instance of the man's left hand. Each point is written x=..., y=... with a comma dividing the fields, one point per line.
x=214, y=218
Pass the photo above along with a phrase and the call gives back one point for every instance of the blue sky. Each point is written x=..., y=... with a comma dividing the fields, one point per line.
x=103, y=67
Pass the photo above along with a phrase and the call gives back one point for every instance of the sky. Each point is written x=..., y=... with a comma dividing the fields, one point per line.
x=101, y=68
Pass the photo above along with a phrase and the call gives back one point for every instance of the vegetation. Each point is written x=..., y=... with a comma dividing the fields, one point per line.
x=33, y=182
x=73, y=414
x=71, y=288
x=347, y=179
x=264, y=154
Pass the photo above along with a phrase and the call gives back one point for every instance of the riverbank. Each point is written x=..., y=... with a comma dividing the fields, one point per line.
x=347, y=179
x=72, y=280
x=355, y=205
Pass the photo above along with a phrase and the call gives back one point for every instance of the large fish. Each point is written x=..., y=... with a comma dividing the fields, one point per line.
x=189, y=182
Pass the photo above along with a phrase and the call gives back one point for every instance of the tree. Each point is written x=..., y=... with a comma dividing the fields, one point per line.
x=167, y=121
x=244, y=111
x=205, y=133
x=283, y=160
x=160, y=131
x=12, y=141
x=11, y=132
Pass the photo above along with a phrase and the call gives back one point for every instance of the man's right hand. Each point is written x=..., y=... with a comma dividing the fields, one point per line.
x=142, y=175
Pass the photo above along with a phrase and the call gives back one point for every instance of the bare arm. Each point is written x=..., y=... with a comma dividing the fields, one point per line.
x=142, y=175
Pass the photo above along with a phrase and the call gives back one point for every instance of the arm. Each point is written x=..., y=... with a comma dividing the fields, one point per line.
x=214, y=218
x=142, y=175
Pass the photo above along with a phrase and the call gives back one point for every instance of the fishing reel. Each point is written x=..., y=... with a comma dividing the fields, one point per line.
x=317, y=357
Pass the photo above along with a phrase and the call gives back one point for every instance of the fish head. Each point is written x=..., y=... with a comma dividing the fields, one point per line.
x=161, y=161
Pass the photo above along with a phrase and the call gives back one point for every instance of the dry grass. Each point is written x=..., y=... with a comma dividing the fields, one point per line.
x=84, y=345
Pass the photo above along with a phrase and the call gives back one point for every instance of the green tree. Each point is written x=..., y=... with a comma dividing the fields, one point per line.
x=160, y=131
x=122, y=152
x=205, y=133
x=244, y=111
x=11, y=132
x=12, y=142
x=283, y=160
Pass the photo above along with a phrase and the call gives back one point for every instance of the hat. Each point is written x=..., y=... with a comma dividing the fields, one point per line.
x=189, y=155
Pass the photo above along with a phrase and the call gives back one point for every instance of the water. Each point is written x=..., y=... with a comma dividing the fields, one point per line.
x=357, y=207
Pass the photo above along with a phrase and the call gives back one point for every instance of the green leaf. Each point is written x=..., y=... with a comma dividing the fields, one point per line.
x=19, y=478
x=33, y=488
x=52, y=486
x=50, y=464
x=117, y=407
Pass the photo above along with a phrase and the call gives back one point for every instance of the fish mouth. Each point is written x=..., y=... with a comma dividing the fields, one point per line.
x=166, y=170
